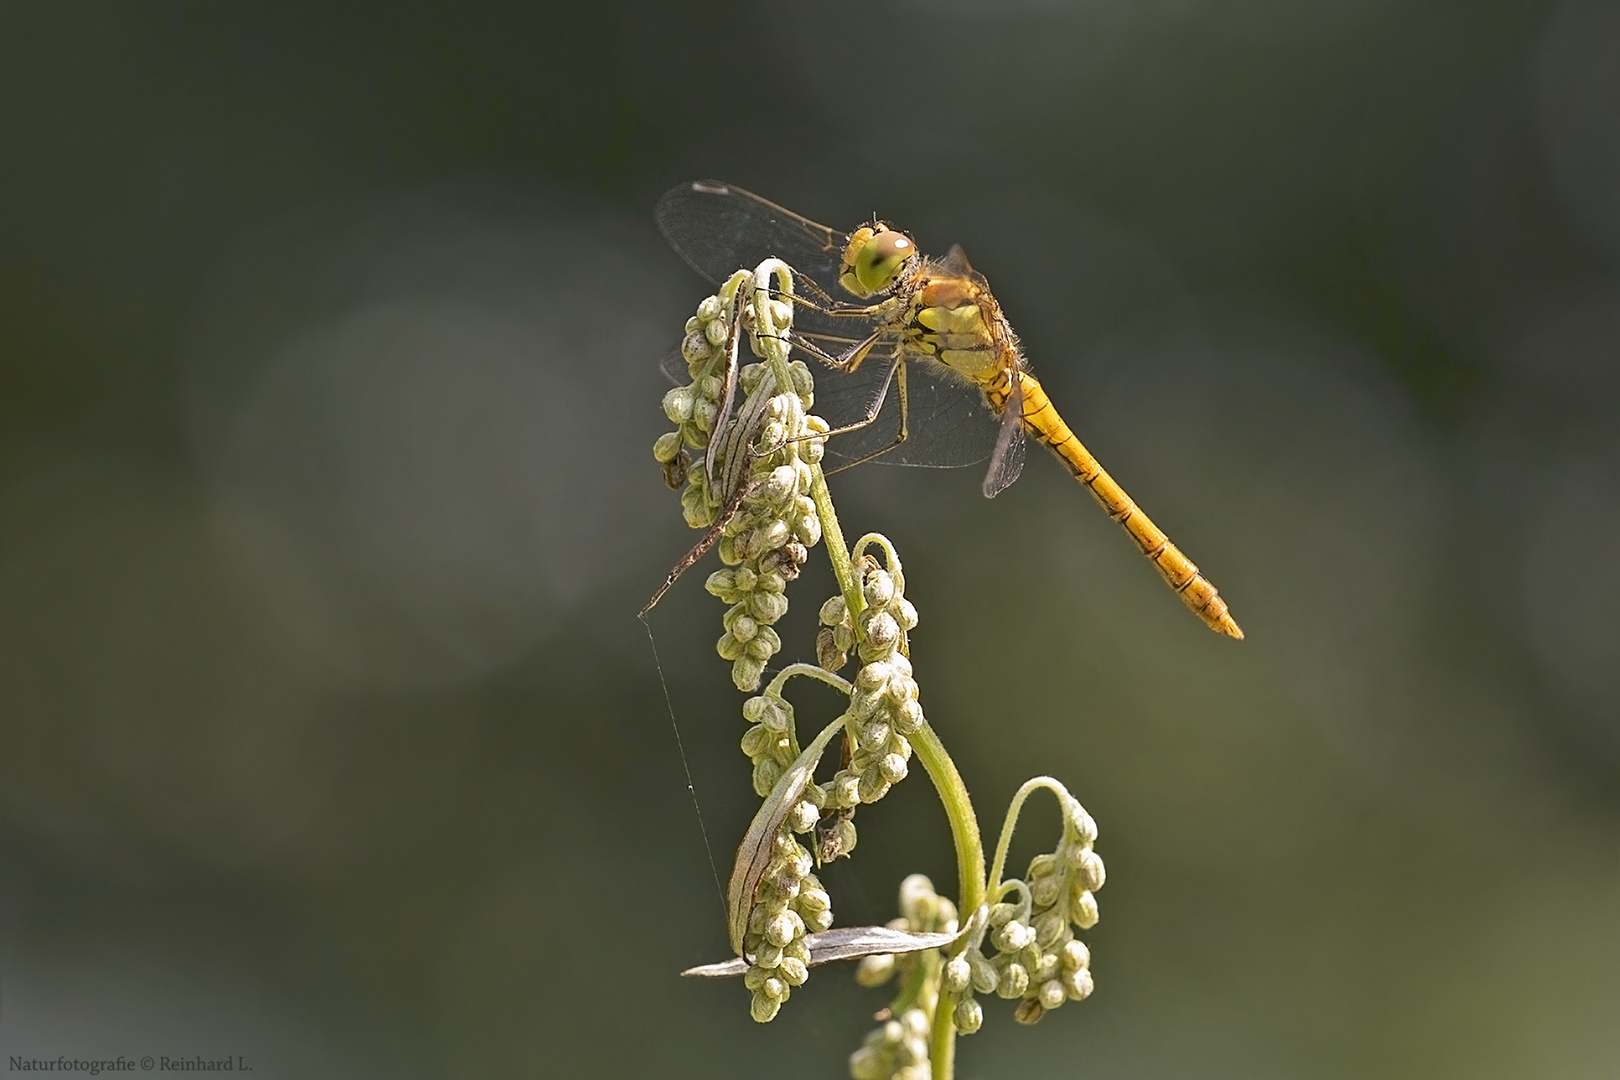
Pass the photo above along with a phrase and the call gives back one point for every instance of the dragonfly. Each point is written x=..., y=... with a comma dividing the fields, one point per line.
x=929, y=370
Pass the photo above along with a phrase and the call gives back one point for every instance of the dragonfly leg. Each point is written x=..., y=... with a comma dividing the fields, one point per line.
x=824, y=304
x=702, y=547
x=898, y=368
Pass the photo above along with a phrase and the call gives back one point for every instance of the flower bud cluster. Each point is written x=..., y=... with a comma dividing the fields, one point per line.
x=694, y=409
x=789, y=904
x=766, y=542
x=896, y=1051
x=1037, y=958
x=900, y=1047
x=883, y=708
x=768, y=743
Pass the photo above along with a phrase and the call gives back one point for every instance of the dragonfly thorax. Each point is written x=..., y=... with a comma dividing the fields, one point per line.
x=875, y=259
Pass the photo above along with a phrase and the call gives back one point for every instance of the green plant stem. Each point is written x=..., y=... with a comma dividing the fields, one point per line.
x=1014, y=808
x=970, y=878
x=925, y=743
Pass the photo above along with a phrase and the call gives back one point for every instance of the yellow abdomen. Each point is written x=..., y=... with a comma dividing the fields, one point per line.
x=1041, y=420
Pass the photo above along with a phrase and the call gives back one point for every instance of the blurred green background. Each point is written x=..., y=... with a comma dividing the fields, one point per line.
x=328, y=345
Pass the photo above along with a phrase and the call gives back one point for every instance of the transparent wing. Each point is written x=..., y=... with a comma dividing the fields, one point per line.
x=949, y=423
x=718, y=228
x=1008, y=460
x=673, y=365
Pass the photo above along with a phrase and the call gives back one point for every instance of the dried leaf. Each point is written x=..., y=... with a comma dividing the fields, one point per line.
x=852, y=943
x=754, y=853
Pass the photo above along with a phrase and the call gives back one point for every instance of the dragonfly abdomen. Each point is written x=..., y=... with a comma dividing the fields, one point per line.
x=1041, y=420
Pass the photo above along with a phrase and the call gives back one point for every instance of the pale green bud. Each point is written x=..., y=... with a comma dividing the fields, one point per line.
x=803, y=817
x=766, y=773
x=767, y=607
x=1083, y=911
x=1090, y=871
x=1050, y=928
x=763, y=1008
x=1052, y=994
x=704, y=413
x=1083, y=824
x=873, y=785
x=906, y=614
x=757, y=741
x=864, y=706
x=1078, y=984
x=882, y=632
x=799, y=374
x=878, y=588
x=985, y=975
x=969, y=1016
x=1014, y=981
x=776, y=534
x=1013, y=937
x=667, y=448
x=678, y=404
x=814, y=899
x=1075, y=956
x=893, y=767
x=869, y=1064
x=918, y=898
x=958, y=974
x=695, y=347
x=874, y=734
x=807, y=523
x=782, y=929
x=743, y=626
x=729, y=647
x=875, y=970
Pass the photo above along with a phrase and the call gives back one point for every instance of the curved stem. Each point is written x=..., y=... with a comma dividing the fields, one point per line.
x=819, y=673
x=1013, y=809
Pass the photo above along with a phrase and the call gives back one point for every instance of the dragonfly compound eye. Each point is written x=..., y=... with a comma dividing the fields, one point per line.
x=878, y=262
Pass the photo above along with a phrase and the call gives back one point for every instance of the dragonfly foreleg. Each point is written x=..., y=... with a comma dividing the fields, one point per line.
x=824, y=304
x=897, y=375
x=701, y=548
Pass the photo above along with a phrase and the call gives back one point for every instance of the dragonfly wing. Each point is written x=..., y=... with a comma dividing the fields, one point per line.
x=1008, y=460
x=948, y=421
x=673, y=365
x=719, y=228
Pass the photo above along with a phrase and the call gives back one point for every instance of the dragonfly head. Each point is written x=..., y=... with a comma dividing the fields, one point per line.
x=875, y=258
